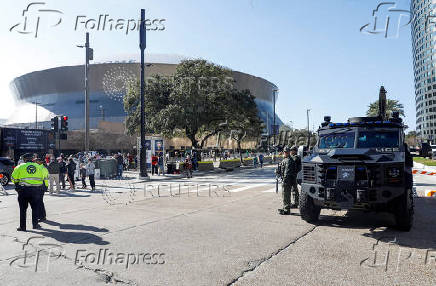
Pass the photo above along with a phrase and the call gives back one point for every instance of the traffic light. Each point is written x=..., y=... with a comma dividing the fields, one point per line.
x=55, y=124
x=64, y=123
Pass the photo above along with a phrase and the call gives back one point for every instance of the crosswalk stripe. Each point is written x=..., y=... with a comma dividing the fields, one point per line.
x=248, y=187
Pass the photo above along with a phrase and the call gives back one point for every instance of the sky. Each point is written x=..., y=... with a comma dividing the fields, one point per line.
x=313, y=50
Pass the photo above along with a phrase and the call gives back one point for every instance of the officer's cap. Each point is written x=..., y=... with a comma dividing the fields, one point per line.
x=287, y=149
x=294, y=148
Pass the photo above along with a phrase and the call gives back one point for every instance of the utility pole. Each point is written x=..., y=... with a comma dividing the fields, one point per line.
x=142, y=46
x=308, y=129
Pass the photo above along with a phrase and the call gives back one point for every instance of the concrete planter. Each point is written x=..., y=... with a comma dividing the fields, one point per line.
x=230, y=164
x=267, y=160
x=248, y=162
x=205, y=166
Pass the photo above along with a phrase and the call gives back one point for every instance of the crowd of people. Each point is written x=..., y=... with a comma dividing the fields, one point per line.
x=62, y=169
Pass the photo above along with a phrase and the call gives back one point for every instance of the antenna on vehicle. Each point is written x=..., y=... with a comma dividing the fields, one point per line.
x=382, y=103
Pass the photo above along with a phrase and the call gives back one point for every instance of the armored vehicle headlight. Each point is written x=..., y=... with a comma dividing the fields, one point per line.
x=394, y=172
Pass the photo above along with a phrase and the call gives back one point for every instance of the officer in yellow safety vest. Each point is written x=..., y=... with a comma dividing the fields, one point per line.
x=29, y=179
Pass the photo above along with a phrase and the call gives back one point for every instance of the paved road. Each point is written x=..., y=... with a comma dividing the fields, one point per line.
x=228, y=234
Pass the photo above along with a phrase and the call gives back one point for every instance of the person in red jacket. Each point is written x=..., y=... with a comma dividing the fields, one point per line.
x=154, y=167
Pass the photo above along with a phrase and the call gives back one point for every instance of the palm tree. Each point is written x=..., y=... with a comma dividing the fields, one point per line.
x=391, y=105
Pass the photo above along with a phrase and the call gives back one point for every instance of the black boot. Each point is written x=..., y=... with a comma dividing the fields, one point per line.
x=37, y=226
x=284, y=212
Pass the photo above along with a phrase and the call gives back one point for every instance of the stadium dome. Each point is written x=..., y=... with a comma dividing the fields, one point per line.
x=60, y=90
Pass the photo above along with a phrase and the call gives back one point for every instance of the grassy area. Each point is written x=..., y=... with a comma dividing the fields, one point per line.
x=428, y=162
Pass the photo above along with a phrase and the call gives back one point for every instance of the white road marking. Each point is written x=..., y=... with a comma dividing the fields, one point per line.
x=248, y=187
x=270, y=191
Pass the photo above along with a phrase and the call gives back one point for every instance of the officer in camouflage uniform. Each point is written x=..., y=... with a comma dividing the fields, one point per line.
x=289, y=168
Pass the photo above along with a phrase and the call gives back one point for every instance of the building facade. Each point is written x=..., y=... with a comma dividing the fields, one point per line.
x=424, y=64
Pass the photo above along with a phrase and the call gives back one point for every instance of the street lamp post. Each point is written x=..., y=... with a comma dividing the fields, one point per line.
x=89, y=56
x=36, y=114
x=274, y=117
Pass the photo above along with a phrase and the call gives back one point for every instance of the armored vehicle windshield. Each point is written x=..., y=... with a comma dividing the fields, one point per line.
x=359, y=138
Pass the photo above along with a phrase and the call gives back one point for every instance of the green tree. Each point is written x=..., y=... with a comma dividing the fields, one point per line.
x=391, y=105
x=243, y=121
x=195, y=102
x=411, y=139
x=157, y=98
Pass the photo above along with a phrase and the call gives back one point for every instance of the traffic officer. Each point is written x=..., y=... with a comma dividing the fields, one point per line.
x=44, y=188
x=289, y=168
x=28, y=178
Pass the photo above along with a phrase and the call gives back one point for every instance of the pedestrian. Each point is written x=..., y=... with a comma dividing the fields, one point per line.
x=154, y=162
x=160, y=163
x=20, y=161
x=29, y=179
x=90, y=170
x=289, y=168
x=125, y=163
x=131, y=161
x=71, y=168
x=188, y=166
x=261, y=160
x=62, y=171
x=194, y=161
x=53, y=175
x=83, y=175
x=120, y=162
x=43, y=189
x=255, y=161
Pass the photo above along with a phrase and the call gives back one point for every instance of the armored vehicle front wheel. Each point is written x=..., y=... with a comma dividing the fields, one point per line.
x=404, y=211
x=308, y=210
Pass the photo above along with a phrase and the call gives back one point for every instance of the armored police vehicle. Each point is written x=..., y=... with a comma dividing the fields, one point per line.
x=361, y=164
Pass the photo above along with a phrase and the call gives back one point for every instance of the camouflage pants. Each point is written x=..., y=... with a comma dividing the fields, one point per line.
x=290, y=188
